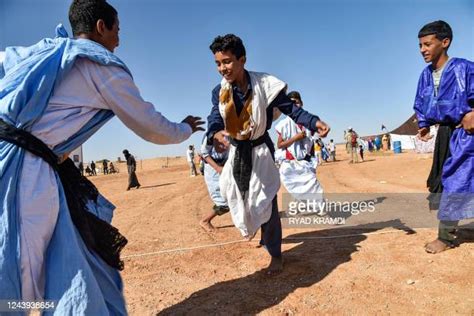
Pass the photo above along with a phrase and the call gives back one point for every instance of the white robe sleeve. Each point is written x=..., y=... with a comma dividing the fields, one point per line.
x=122, y=96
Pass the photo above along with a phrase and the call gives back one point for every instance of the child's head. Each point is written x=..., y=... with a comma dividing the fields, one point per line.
x=295, y=96
x=434, y=40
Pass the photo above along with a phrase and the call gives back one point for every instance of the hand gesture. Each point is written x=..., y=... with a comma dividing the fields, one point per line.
x=195, y=123
x=424, y=134
x=220, y=142
x=468, y=122
x=322, y=128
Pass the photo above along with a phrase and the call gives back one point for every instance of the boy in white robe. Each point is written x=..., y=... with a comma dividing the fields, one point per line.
x=297, y=170
x=243, y=109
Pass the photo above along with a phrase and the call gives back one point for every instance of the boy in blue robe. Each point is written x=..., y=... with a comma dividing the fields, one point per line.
x=445, y=96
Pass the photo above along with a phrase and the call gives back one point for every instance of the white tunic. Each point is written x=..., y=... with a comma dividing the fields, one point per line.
x=87, y=89
x=298, y=175
x=249, y=212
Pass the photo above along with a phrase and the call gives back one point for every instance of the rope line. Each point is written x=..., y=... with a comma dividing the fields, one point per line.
x=243, y=240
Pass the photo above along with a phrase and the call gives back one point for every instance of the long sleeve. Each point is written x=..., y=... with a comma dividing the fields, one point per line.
x=418, y=105
x=123, y=98
x=215, y=122
x=470, y=84
x=297, y=114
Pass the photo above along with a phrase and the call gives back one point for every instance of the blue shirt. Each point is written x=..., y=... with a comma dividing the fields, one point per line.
x=215, y=123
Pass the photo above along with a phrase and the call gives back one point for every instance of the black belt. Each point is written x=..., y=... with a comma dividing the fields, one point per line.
x=440, y=155
x=98, y=235
x=242, y=169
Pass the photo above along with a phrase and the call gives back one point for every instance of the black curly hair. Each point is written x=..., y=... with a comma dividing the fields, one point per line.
x=228, y=42
x=84, y=14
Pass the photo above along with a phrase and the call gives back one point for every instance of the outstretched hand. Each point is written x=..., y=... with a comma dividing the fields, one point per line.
x=220, y=141
x=195, y=123
x=322, y=128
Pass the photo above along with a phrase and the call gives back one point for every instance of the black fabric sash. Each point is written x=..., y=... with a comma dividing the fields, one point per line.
x=98, y=235
x=440, y=155
x=242, y=169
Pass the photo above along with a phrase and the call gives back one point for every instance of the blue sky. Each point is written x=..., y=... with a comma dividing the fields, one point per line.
x=356, y=63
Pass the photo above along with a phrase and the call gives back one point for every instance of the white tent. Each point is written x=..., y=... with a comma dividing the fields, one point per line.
x=407, y=141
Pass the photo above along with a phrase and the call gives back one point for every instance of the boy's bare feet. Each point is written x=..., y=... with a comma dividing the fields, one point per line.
x=207, y=226
x=436, y=246
x=275, y=266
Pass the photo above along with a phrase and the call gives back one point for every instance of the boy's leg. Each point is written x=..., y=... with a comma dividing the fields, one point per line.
x=446, y=237
x=206, y=221
x=271, y=239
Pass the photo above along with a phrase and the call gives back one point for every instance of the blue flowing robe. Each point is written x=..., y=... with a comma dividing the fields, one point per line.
x=455, y=98
x=78, y=280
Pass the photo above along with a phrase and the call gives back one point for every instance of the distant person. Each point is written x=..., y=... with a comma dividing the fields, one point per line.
x=354, y=145
x=318, y=155
x=324, y=151
x=347, y=139
x=112, y=168
x=94, y=172
x=332, y=149
x=385, y=142
x=105, y=167
x=190, y=159
x=131, y=167
x=89, y=171
x=213, y=163
x=361, y=152
x=378, y=143
x=370, y=145
x=81, y=168
x=445, y=96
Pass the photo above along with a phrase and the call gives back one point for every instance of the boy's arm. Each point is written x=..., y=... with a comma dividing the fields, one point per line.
x=213, y=164
x=298, y=115
x=418, y=106
x=423, y=124
x=123, y=97
x=468, y=119
x=283, y=144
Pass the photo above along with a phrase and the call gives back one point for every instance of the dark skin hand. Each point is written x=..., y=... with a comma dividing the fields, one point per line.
x=468, y=122
x=195, y=123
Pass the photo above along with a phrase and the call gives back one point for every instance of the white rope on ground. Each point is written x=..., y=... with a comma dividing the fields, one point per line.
x=183, y=249
x=243, y=240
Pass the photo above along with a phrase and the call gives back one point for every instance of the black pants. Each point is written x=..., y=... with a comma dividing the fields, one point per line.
x=271, y=232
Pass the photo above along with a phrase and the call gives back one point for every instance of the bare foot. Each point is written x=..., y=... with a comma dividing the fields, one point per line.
x=436, y=246
x=207, y=226
x=275, y=266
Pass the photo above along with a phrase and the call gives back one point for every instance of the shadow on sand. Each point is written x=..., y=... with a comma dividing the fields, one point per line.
x=305, y=265
x=157, y=185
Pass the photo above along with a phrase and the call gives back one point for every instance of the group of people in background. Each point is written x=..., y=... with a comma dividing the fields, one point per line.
x=91, y=169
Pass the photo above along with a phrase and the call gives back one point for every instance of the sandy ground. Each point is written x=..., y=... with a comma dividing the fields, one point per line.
x=333, y=270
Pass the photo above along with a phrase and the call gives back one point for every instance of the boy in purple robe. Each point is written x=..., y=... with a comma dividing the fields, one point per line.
x=445, y=96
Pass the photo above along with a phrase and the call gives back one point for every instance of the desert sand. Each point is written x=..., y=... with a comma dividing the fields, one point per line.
x=172, y=266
